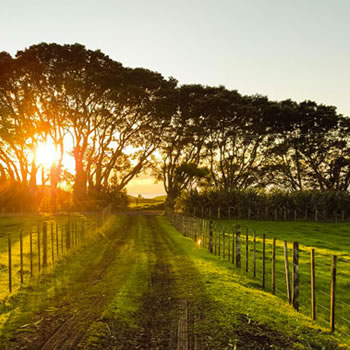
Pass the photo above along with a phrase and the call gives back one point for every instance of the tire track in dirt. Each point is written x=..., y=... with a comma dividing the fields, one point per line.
x=165, y=320
x=177, y=314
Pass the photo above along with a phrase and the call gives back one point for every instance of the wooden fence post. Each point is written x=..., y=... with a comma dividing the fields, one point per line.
x=219, y=243
x=68, y=238
x=313, y=296
x=233, y=246
x=286, y=267
x=211, y=236
x=223, y=243
x=219, y=213
x=254, y=254
x=21, y=254
x=228, y=247
x=39, y=250
x=332, y=311
x=10, y=262
x=44, y=244
x=246, y=251
x=62, y=238
x=31, y=251
x=263, y=262
x=57, y=244
x=238, y=246
x=295, y=276
x=273, y=272
x=215, y=239
x=52, y=244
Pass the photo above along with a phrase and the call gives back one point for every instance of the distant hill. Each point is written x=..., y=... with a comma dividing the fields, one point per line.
x=157, y=199
x=160, y=198
x=147, y=203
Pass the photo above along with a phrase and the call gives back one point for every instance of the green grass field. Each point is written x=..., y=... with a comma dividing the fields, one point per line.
x=327, y=238
x=124, y=291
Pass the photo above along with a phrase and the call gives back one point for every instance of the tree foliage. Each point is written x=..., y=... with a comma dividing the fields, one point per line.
x=117, y=122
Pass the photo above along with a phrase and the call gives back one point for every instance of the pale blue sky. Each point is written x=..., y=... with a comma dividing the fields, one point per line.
x=297, y=49
x=281, y=48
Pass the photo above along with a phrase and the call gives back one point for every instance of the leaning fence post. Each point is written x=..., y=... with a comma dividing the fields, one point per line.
x=295, y=276
x=313, y=296
x=10, y=262
x=21, y=254
x=238, y=246
x=263, y=261
x=286, y=267
x=332, y=311
x=273, y=272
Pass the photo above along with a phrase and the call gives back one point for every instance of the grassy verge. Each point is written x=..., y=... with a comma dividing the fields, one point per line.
x=234, y=295
x=65, y=278
x=319, y=235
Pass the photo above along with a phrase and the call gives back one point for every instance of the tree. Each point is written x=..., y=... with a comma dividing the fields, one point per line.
x=103, y=107
x=183, y=141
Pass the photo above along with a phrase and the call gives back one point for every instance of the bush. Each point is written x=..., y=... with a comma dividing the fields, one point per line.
x=261, y=205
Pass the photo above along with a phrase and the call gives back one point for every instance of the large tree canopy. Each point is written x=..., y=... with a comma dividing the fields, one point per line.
x=117, y=121
x=68, y=92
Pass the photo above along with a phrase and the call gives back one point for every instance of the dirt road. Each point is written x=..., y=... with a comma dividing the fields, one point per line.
x=142, y=291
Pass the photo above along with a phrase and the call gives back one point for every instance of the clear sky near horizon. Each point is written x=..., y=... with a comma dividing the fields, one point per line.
x=296, y=49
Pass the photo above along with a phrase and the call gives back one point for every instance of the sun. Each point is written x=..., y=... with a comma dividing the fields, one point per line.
x=46, y=154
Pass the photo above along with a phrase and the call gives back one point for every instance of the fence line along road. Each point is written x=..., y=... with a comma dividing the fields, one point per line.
x=270, y=261
x=34, y=250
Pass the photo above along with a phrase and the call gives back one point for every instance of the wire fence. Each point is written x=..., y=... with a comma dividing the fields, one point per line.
x=28, y=251
x=314, y=283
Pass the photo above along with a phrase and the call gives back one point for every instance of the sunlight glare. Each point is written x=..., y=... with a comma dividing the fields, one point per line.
x=46, y=154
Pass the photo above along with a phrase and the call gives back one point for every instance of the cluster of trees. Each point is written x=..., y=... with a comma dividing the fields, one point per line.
x=225, y=141
x=74, y=96
x=120, y=121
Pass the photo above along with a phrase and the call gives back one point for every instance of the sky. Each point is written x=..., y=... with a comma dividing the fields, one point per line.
x=298, y=49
